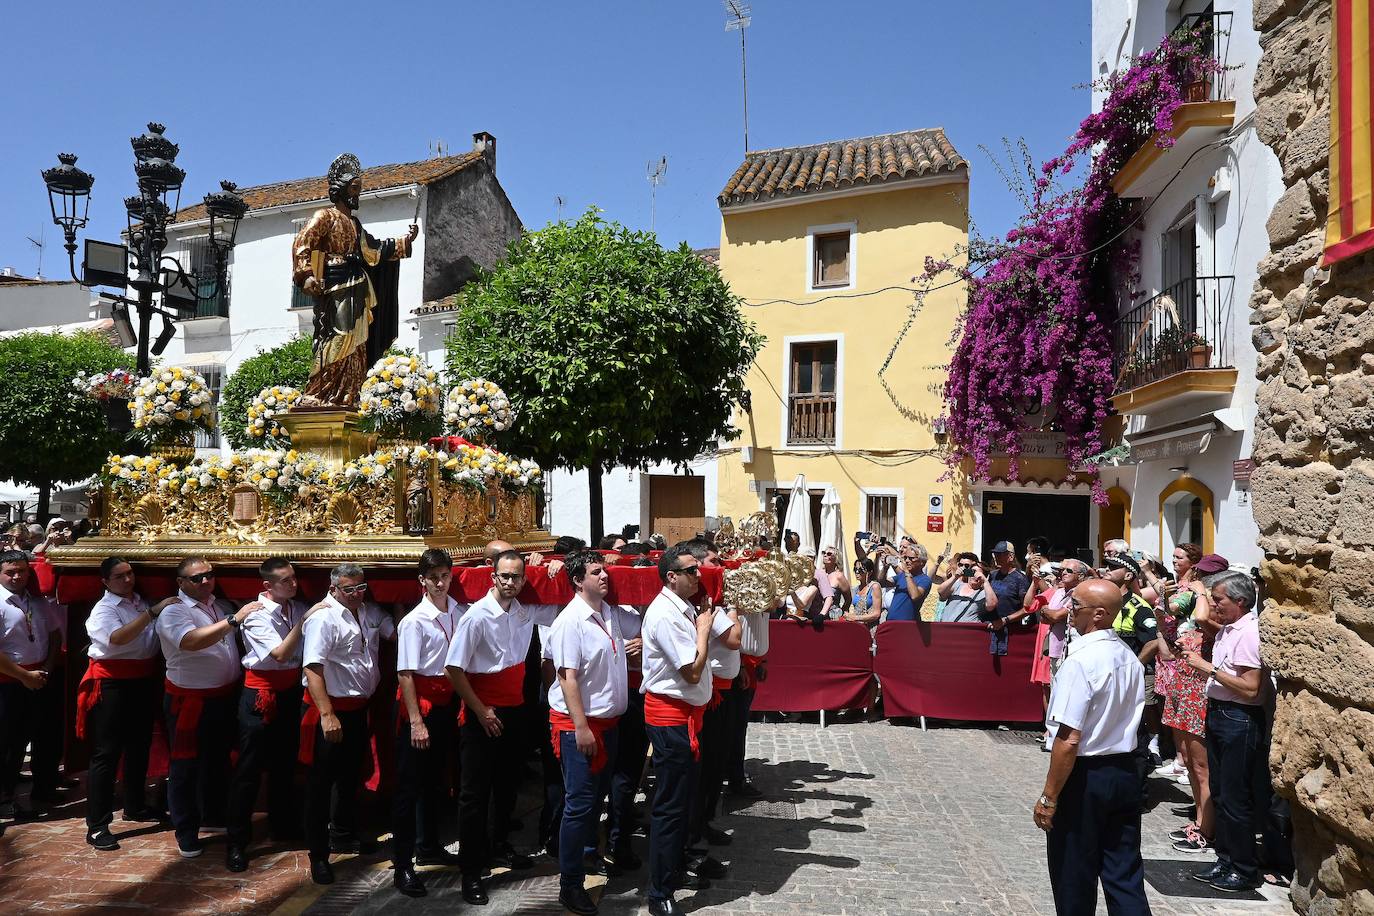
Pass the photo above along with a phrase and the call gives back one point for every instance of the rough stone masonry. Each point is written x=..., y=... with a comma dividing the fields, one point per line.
x=1314, y=484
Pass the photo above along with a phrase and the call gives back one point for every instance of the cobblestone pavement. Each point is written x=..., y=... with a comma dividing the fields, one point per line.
x=857, y=818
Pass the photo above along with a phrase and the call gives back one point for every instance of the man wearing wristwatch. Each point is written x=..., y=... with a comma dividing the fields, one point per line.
x=197, y=633
x=1090, y=806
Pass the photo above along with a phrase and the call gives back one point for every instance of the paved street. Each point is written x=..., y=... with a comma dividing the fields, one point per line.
x=858, y=818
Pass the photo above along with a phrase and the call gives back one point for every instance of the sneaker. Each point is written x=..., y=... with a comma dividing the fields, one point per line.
x=1183, y=779
x=1183, y=834
x=1171, y=769
x=1193, y=843
x=192, y=851
x=102, y=839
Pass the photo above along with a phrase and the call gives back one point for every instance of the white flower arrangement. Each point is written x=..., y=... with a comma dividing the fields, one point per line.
x=200, y=475
x=265, y=411
x=281, y=474
x=373, y=469
x=134, y=472
x=171, y=402
x=105, y=386
x=477, y=407
x=400, y=395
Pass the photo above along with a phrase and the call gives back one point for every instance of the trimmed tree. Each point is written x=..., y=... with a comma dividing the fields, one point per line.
x=49, y=432
x=287, y=364
x=613, y=350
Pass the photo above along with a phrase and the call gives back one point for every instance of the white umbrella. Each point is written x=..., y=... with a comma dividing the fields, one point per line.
x=799, y=515
x=832, y=528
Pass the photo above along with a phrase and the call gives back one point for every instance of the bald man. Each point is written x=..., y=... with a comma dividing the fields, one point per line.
x=1090, y=807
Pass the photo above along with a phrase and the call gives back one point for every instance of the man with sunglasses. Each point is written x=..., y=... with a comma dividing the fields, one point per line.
x=341, y=675
x=1090, y=806
x=676, y=690
x=197, y=636
x=486, y=664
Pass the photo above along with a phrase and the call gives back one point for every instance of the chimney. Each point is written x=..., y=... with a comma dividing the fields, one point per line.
x=8, y=272
x=485, y=143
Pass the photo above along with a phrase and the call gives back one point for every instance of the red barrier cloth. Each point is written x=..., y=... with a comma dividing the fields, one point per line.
x=668, y=711
x=497, y=688
x=98, y=669
x=560, y=722
x=810, y=669
x=267, y=682
x=311, y=718
x=944, y=671
x=431, y=690
x=187, y=705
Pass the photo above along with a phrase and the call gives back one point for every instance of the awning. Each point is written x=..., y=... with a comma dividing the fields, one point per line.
x=1180, y=440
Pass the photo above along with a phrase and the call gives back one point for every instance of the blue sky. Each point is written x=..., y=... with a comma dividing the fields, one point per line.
x=580, y=96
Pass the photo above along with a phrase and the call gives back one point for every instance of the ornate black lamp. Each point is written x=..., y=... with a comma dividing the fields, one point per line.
x=226, y=209
x=69, y=197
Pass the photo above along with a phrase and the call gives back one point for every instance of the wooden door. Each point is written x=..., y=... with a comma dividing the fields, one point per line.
x=677, y=506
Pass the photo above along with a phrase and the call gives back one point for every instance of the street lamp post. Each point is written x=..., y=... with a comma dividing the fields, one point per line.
x=149, y=211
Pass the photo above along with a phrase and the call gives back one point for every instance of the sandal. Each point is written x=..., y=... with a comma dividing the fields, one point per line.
x=1277, y=880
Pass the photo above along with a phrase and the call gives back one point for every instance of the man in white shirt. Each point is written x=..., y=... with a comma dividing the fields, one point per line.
x=425, y=725
x=1090, y=807
x=753, y=669
x=197, y=635
x=585, y=703
x=676, y=688
x=715, y=737
x=269, y=711
x=118, y=700
x=341, y=675
x=486, y=663
x=631, y=743
x=30, y=690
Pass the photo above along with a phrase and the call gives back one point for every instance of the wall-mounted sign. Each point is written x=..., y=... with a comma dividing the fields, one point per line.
x=994, y=507
x=1039, y=444
x=936, y=504
x=1243, y=470
x=935, y=523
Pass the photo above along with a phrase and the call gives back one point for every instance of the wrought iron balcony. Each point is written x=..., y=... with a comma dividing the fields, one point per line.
x=1175, y=345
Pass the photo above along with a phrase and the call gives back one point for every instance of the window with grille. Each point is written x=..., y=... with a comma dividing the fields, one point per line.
x=882, y=516
x=212, y=298
x=811, y=394
x=831, y=267
x=214, y=379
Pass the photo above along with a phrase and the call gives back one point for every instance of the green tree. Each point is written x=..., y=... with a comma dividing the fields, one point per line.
x=49, y=432
x=613, y=350
x=287, y=364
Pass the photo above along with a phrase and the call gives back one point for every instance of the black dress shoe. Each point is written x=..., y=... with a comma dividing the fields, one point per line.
x=507, y=857
x=407, y=882
x=102, y=839
x=343, y=846
x=593, y=865
x=1207, y=876
x=577, y=900
x=145, y=815
x=686, y=881
x=622, y=860
x=667, y=907
x=440, y=856
x=745, y=790
x=716, y=837
x=235, y=859
x=707, y=867
x=1233, y=883
x=321, y=872
x=474, y=892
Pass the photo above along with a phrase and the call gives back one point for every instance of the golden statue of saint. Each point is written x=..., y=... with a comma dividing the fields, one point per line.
x=336, y=261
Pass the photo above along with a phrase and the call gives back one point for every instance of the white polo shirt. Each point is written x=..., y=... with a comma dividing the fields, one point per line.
x=753, y=634
x=24, y=626
x=589, y=641
x=489, y=639
x=264, y=630
x=724, y=660
x=336, y=641
x=670, y=644
x=1100, y=691
x=111, y=613
x=423, y=638
x=215, y=665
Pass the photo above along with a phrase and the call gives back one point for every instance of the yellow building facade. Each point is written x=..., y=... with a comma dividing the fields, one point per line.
x=822, y=243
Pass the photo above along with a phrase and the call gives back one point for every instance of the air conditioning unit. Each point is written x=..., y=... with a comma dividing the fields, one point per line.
x=746, y=454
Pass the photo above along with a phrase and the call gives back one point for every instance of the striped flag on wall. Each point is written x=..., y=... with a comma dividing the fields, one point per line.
x=1350, y=222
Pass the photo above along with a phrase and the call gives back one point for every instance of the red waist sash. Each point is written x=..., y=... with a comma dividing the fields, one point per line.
x=32, y=666
x=311, y=718
x=431, y=690
x=98, y=669
x=661, y=710
x=187, y=705
x=749, y=665
x=562, y=722
x=267, y=682
x=498, y=688
x=718, y=687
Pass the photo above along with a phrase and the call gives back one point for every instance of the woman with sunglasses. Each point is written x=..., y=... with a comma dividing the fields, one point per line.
x=867, y=608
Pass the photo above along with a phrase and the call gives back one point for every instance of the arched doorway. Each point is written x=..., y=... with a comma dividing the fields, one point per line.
x=1114, y=519
x=1186, y=515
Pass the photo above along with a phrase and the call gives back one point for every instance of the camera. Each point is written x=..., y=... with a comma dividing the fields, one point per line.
x=966, y=572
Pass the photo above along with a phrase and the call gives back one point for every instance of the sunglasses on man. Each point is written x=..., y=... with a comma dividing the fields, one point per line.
x=688, y=570
x=358, y=589
x=200, y=578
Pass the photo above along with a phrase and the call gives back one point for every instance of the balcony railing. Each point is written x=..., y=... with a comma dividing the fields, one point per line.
x=1182, y=328
x=811, y=419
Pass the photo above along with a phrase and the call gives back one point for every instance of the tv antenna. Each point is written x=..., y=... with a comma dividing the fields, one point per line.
x=655, y=172
x=438, y=148
x=38, y=243
x=739, y=19
x=558, y=202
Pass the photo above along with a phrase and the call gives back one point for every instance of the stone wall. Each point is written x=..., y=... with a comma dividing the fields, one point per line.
x=1314, y=486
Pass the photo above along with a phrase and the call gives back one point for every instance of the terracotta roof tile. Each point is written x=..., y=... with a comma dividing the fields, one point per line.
x=303, y=190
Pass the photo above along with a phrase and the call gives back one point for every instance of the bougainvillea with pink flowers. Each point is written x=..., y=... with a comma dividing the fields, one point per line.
x=1042, y=302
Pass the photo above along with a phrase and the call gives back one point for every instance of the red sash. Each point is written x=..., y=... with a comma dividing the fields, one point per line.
x=561, y=722
x=499, y=688
x=749, y=665
x=311, y=718
x=718, y=687
x=267, y=682
x=33, y=666
x=661, y=710
x=431, y=690
x=98, y=669
x=187, y=705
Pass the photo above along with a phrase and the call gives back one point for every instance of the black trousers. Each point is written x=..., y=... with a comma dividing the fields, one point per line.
x=418, y=804
x=675, y=773
x=1096, y=835
x=742, y=701
x=714, y=741
x=30, y=717
x=1237, y=773
x=628, y=773
x=197, y=787
x=336, y=768
x=490, y=780
x=268, y=747
x=119, y=726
